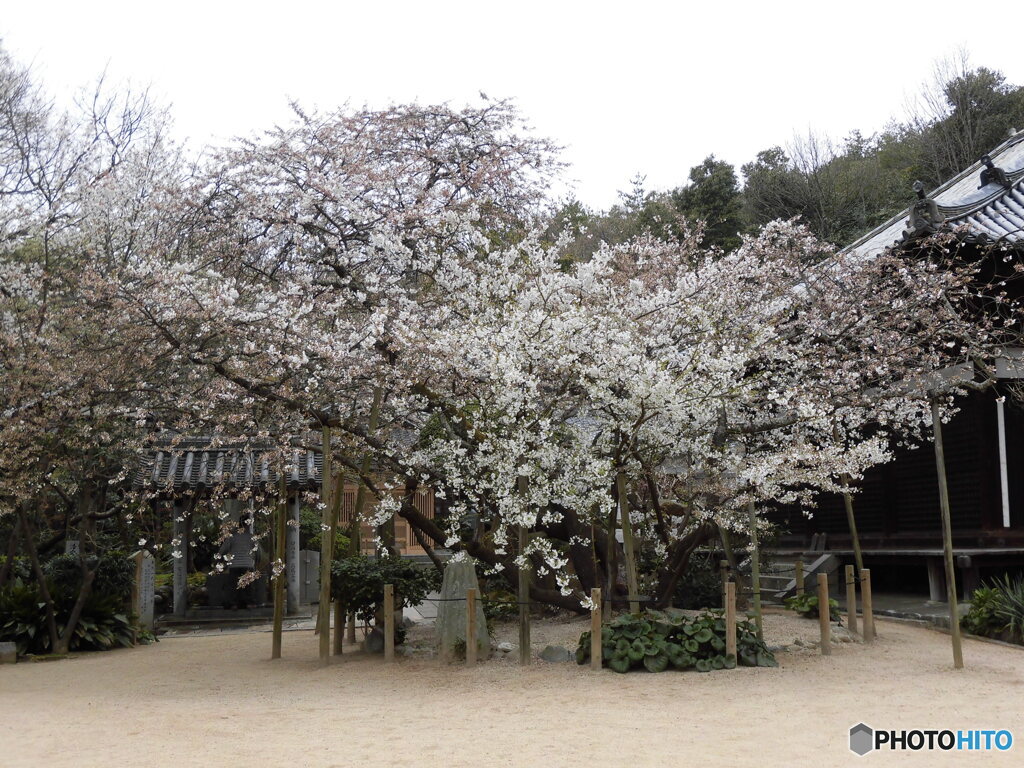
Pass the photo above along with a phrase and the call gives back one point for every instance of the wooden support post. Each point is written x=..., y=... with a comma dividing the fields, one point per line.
x=798, y=576
x=755, y=570
x=851, y=521
x=823, y=615
x=730, y=618
x=865, y=602
x=279, y=579
x=389, y=622
x=947, y=538
x=470, y=627
x=596, y=651
x=339, y=626
x=851, y=599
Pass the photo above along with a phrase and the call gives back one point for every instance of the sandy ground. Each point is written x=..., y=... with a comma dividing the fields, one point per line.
x=219, y=700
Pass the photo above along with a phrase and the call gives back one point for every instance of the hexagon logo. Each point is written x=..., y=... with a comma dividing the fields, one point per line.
x=862, y=739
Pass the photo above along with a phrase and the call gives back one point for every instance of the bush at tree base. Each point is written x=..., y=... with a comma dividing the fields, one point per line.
x=358, y=584
x=655, y=641
x=102, y=625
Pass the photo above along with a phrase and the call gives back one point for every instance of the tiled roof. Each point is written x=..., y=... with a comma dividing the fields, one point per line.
x=199, y=463
x=990, y=213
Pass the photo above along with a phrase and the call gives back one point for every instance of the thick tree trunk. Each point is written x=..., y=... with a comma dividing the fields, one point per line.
x=33, y=555
x=12, y=549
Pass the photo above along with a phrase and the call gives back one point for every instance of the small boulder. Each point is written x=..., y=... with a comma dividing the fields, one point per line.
x=555, y=654
x=506, y=647
x=8, y=653
x=374, y=642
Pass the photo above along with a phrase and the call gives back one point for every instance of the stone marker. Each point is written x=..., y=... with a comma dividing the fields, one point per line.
x=8, y=653
x=144, y=587
x=555, y=654
x=451, y=612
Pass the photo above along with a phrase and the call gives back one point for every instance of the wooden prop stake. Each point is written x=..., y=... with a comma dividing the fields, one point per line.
x=730, y=618
x=851, y=599
x=866, y=608
x=823, y=615
x=595, y=630
x=947, y=538
x=799, y=577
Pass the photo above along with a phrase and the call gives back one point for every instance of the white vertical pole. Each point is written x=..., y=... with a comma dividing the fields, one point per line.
x=1003, y=481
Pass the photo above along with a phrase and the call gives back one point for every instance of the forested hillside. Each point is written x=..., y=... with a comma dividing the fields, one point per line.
x=840, y=190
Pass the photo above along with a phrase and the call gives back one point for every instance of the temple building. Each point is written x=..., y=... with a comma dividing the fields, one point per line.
x=897, y=504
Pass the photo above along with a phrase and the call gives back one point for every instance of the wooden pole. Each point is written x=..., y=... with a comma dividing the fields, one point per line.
x=798, y=576
x=523, y=595
x=851, y=599
x=823, y=615
x=323, y=616
x=470, y=627
x=389, y=622
x=730, y=619
x=596, y=651
x=866, y=607
x=947, y=537
x=852, y=522
x=755, y=570
x=282, y=533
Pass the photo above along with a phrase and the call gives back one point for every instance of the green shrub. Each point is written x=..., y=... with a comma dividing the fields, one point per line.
x=656, y=641
x=101, y=626
x=114, y=573
x=1011, y=606
x=807, y=606
x=358, y=584
x=699, y=586
x=983, y=618
x=20, y=569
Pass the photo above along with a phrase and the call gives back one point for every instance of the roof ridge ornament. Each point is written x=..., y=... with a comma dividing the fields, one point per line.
x=924, y=214
x=993, y=173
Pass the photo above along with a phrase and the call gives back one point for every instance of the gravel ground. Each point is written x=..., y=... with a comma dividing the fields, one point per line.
x=220, y=700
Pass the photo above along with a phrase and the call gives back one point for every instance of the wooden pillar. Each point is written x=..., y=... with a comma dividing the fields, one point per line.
x=596, y=650
x=730, y=618
x=947, y=538
x=292, y=567
x=798, y=576
x=179, y=567
x=823, y=615
x=278, y=581
x=471, y=627
x=866, y=606
x=389, y=622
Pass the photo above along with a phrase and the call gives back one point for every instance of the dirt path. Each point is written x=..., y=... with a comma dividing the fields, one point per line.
x=220, y=701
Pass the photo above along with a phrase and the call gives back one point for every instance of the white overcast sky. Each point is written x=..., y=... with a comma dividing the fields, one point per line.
x=638, y=87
